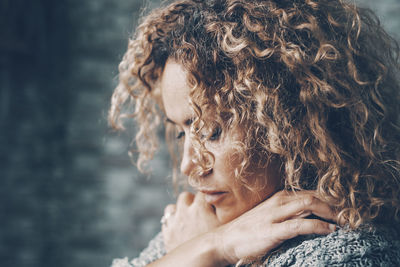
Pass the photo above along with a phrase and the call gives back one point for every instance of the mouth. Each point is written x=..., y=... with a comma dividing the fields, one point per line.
x=213, y=197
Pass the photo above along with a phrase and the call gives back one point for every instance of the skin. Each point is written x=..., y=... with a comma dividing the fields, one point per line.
x=224, y=221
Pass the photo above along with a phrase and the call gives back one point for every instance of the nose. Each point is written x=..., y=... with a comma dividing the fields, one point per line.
x=187, y=162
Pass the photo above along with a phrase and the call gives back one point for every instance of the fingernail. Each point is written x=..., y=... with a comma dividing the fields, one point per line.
x=332, y=227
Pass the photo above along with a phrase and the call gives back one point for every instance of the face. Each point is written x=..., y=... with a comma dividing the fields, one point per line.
x=221, y=189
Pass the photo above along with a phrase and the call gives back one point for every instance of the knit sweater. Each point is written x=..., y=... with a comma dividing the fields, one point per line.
x=366, y=246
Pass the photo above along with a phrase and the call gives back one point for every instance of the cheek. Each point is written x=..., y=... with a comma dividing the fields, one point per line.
x=228, y=160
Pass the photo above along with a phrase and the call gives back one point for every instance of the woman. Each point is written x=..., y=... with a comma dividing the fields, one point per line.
x=285, y=115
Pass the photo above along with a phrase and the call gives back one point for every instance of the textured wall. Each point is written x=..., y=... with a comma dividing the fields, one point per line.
x=68, y=193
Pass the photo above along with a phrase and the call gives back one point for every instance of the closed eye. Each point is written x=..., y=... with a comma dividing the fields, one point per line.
x=216, y=134
x=188, y=122
x=180, y=135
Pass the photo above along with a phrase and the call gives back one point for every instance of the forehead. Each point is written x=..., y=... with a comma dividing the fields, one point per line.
x=173, y=79
x=175, y=91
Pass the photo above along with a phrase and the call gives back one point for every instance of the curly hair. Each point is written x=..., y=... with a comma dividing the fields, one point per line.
x=313, y=82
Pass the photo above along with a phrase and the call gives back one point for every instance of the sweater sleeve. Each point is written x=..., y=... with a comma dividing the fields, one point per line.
x=373, y=247
x=153, y=252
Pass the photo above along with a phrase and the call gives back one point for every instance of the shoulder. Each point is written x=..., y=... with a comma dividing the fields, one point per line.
x=367, y=246
x=153, y=252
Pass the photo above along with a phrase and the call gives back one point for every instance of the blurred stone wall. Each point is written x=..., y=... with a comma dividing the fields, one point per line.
x=68, y=193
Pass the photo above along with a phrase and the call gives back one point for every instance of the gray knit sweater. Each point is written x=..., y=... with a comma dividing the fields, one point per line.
x=367, y=246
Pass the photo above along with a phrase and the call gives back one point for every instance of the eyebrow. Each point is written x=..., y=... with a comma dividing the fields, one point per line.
x=187, y=122
x=170, y=121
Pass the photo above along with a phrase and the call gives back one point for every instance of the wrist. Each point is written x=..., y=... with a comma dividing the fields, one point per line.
x=212, y=247
x=202, y=251
x=224, y=251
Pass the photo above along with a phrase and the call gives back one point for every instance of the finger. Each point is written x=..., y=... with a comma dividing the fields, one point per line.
x=170, y=209
x=283, y=197
x=302, y=207
x=168, y=216
x=199, y=197
x=185, y=198
x=200, y=201
x=302, y=215
x=292, y=228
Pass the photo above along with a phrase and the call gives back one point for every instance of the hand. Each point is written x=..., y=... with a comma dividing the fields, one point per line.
x=277, y=219
x=190, y=217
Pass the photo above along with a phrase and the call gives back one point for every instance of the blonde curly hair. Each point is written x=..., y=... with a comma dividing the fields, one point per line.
x=313, y=82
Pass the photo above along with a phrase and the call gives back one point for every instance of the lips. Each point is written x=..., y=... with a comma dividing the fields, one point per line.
x=212, y=196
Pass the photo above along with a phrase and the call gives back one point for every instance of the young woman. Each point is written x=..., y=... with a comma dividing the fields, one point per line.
x=285, y=115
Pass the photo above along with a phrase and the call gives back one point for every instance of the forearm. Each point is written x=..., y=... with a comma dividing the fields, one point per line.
x=204, y=251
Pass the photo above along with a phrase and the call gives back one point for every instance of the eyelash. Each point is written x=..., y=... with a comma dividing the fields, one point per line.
x=215, y=135
x=180, y=135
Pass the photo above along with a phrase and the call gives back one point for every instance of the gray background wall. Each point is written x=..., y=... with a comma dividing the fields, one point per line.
x=68, y=193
